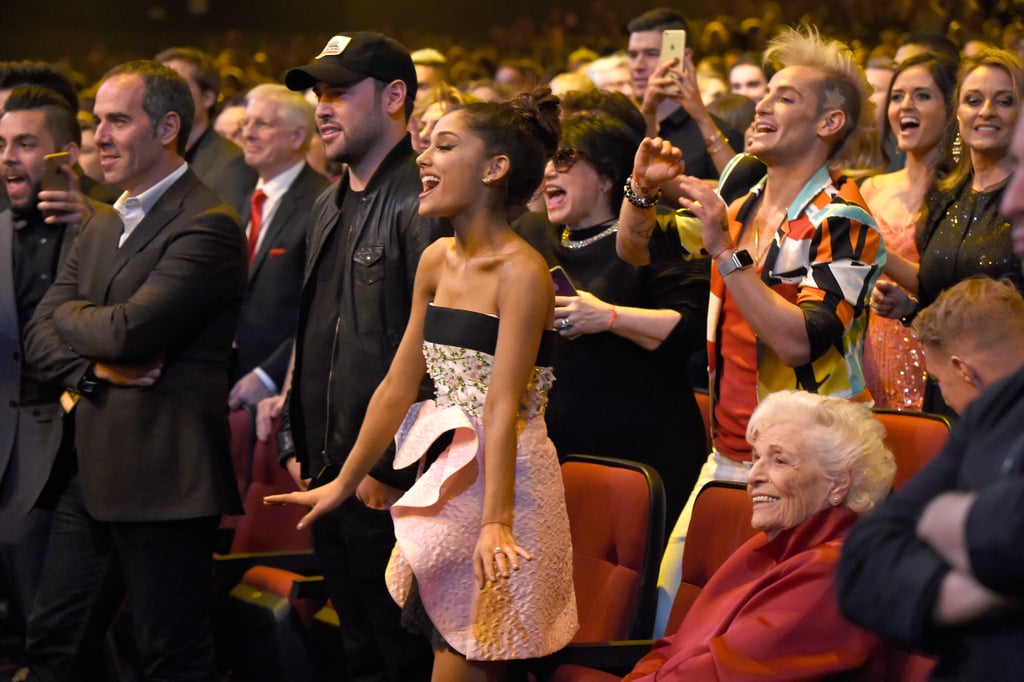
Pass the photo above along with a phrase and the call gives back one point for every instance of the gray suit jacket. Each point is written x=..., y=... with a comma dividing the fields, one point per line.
x=172, y=291
x=29, y=436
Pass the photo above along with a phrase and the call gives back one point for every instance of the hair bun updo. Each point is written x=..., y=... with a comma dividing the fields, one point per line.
x=540, y=110
x=526, y=130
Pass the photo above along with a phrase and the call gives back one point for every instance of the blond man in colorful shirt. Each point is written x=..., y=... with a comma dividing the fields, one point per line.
x=795, y=256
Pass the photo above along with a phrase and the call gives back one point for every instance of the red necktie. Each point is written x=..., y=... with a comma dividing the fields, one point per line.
x=258, y=198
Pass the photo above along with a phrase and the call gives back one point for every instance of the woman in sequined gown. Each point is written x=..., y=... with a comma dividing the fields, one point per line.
x=964, y=234
x=483, y=561
x=919, y=110
x=632, y=364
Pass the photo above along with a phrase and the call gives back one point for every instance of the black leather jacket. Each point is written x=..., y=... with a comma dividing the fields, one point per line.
x=374, y=304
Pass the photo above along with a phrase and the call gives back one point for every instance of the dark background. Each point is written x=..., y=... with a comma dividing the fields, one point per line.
x=90, y=35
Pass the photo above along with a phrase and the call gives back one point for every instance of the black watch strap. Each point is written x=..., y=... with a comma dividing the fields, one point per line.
x=88, y=384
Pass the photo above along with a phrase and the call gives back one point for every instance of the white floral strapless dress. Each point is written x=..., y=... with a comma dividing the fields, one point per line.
x=437, y=522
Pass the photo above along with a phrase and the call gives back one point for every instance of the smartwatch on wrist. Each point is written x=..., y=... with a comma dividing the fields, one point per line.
x=740, y=260
x=88, y=384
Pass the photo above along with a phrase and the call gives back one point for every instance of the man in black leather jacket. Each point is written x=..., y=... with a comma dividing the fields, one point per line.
x=364, y=248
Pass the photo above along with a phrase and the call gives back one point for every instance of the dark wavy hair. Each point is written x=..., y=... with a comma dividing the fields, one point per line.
x=607, y=142
x=526, y=130
x=943, y=71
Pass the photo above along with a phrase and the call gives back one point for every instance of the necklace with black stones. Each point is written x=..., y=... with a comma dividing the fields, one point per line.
x=576, y=245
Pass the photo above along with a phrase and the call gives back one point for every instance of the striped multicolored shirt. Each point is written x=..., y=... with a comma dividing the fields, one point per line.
x=824, y=258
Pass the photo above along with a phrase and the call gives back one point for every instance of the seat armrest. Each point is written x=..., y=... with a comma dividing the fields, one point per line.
x=228, y=569
x=309, y=587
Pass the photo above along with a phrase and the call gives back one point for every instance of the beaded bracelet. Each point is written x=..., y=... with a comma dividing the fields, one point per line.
x=637, y=200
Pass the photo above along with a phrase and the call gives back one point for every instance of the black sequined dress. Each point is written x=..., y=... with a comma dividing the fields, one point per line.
x=965, y=235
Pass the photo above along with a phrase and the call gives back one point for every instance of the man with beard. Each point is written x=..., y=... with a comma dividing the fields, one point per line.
x=35, y=238
x=364, y=248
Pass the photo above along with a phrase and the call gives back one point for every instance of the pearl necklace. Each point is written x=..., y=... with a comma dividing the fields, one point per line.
x=576, y=245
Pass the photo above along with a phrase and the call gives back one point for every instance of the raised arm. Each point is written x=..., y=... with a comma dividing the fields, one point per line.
x=657, y=161
x=846, y=257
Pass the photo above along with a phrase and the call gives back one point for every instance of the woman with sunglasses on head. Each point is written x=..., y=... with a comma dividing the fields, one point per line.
x=621, y=363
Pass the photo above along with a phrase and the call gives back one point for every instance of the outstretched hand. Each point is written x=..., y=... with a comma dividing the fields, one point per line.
x=321, y=501
x=497, y=554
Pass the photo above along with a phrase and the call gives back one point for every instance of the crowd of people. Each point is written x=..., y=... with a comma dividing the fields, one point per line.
x=431, y=277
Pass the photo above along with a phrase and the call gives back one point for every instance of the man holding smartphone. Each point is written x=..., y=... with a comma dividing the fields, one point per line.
x=36, y=234
x=669, y=99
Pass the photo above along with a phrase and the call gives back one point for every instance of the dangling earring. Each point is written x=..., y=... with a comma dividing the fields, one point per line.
x=958, y=148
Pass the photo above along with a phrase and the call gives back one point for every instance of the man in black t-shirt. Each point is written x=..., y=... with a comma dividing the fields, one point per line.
x=364, y=248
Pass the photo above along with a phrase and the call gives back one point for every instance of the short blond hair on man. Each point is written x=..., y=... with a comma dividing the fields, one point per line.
x=979, y=312
x=844, y=86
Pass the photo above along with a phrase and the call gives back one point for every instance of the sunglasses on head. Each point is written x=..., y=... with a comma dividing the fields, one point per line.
x=565, y=158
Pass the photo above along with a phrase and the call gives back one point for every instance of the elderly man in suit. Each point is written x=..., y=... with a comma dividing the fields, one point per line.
x=36, y=234
x=276, y=132
x=139, y=325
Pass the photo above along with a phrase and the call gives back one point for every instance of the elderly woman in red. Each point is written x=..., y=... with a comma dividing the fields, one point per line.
x=769, y=613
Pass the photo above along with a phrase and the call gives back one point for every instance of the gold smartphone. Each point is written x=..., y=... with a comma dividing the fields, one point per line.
x=52, y=178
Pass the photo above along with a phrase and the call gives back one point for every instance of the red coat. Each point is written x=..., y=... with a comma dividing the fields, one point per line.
x=769, y=613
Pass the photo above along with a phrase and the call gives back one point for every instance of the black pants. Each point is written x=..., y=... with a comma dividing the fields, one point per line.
x=163, y=569
x=352, y=546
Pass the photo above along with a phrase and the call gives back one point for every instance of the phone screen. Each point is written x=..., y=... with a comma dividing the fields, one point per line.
x=563, y=285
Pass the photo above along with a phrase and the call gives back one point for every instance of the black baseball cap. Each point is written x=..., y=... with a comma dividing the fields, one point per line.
x=352, y=56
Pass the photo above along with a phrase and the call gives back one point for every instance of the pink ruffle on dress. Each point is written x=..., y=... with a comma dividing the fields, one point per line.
x=437, y=522
x=893, y=359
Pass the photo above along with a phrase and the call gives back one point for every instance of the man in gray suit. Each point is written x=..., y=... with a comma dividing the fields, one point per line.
x=139, y=324
x=34, y=239
x=276, y=133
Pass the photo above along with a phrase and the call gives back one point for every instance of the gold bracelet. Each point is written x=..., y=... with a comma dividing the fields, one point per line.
x=710, y=139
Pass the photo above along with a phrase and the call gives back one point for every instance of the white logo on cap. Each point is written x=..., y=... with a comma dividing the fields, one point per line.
x=334, y=46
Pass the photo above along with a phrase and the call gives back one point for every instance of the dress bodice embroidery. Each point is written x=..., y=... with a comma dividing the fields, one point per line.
x=459, y=351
